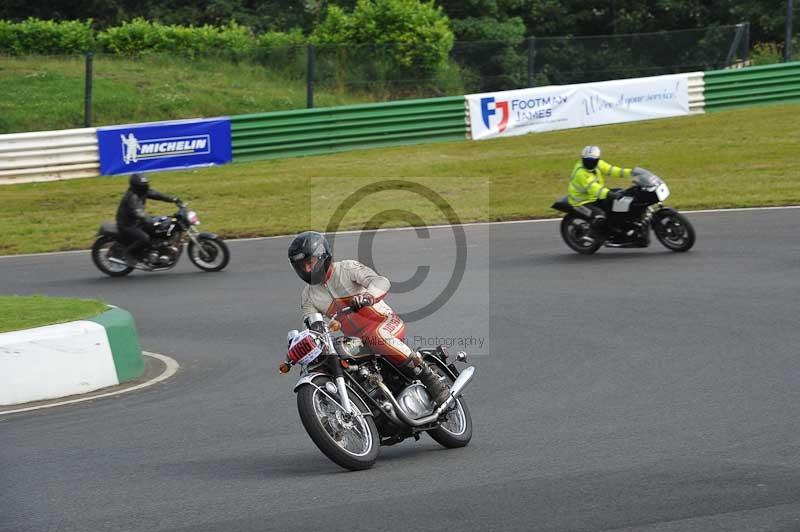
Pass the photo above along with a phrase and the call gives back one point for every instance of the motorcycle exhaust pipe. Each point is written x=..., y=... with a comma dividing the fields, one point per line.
x=459, y=385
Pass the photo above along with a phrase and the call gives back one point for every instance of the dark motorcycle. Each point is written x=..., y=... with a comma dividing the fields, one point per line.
x=629, y=220
x=168, y=235
x=351, y=401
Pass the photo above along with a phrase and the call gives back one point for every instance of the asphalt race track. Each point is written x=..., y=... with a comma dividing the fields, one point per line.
x=631, y=390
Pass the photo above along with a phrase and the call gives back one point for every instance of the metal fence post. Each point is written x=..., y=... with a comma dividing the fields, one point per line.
x=531, y=60
x=735, y=45
x=310, y=76
x=746, y=43
x=787, y=49
x=87, y=93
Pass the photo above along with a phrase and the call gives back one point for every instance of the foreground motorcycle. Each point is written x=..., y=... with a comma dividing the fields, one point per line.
x=168, y=235
x=628, y=225
x=351, y=401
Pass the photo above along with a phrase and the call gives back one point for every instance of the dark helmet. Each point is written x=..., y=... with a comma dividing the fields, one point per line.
x=590, y=157
x=311, y=256
x=139, y=183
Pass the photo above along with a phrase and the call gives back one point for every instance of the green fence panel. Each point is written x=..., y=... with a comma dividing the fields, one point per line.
x=761, y=85
x=335, y=129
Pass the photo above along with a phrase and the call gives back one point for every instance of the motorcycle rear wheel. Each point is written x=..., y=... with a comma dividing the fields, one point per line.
x=673, y=230
x=353, y=444
x=104, y=248
x=456, y=431
x=577, y=234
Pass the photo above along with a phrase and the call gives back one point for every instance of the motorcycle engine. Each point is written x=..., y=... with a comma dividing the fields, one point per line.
x=166, y=253
x=415, y=401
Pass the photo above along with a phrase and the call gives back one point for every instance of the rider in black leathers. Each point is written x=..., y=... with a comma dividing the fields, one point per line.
x=132, y=222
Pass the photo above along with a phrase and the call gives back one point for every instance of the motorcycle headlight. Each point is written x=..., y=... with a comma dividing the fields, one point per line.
x=192, y=217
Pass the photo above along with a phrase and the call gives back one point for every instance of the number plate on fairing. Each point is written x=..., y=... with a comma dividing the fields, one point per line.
x=662, y=191
x=622, y=204
x=305, y=348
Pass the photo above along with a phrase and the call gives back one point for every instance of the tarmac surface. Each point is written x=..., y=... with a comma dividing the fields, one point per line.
x=630, y=390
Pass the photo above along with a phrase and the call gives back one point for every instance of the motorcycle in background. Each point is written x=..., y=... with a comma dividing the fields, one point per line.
x=628, y=225
x=169, y=235
x=351, y=402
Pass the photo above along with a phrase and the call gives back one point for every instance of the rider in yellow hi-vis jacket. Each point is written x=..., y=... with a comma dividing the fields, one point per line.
x=587, y=185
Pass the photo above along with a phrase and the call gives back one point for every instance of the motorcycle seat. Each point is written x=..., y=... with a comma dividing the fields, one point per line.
x=562, y=204
x=109, y=229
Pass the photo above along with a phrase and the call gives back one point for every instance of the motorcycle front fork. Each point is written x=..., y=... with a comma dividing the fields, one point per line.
x=336, y=371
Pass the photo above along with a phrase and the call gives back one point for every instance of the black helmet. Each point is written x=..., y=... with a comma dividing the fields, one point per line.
x=139, y=183
x=311, y=256
x=590, y=156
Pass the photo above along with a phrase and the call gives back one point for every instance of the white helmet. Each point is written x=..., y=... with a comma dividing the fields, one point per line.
x=590, y=156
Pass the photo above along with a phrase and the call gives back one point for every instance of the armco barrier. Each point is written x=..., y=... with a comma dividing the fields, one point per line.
x=334, y=129
x=697, y=101
x=48, y=155
x=745, y=87
x=72, y=153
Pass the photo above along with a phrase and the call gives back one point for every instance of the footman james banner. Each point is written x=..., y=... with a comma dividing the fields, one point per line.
x=164, y=145
x=503, y=114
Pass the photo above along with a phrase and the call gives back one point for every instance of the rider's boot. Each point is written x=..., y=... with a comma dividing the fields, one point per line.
x=597, y=226
x=131, y=260
x=438, y=390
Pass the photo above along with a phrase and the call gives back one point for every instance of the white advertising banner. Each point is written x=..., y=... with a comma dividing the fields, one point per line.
x=508, y=113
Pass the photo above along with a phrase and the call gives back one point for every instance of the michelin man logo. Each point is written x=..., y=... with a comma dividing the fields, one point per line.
x=130, y=148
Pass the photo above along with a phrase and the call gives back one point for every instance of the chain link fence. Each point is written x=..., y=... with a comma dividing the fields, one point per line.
x=482, y=66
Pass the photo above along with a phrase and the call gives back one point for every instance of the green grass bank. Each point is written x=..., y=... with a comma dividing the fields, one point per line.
x=27, y=312
x=737, y=158
x=46, y=93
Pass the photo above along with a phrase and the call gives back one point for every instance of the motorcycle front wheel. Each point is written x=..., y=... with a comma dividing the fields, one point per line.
x=673, y=230
x=212, y=255
x=105, y=248
x=351, y=441
x=578, y=235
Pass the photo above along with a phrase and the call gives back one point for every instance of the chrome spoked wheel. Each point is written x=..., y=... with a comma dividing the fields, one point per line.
x=209, y=254
x=103, y=251
x=456, y=422
x=349, y=431
x=350, y=440
x=455, y=430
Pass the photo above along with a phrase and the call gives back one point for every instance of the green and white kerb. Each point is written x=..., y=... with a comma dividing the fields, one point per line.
x=69, y=358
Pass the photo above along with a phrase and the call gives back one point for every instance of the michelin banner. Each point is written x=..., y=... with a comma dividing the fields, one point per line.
x=164, y=145
x=504, y=114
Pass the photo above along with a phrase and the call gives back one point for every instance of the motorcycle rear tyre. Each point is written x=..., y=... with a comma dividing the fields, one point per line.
x=566, y=222
x=97, y=249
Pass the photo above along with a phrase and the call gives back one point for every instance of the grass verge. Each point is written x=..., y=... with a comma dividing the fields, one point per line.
x=45, y=93
x=27, y=312
x=739, y=158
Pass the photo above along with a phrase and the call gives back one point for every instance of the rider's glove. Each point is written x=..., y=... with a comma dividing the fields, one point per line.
x=360, y=301
x=614, y=193
x=176, y=200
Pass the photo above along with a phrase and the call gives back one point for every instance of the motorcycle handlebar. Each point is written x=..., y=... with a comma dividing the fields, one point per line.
x=342, y=312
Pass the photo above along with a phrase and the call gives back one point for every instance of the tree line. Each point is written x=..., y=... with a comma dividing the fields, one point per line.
x=470, y=20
